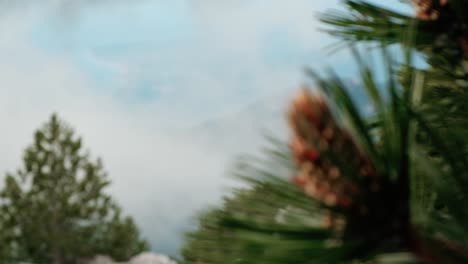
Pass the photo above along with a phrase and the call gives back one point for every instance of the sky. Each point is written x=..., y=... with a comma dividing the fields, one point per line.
x=140, y=79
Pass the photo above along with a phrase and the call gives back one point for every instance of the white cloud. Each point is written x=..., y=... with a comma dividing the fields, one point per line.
x=230, y=54
x=160, y=177
x=155, y=177
x=244, y=23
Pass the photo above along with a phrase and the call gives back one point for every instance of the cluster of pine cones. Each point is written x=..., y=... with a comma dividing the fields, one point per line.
x=320, y=148
x=335, y=171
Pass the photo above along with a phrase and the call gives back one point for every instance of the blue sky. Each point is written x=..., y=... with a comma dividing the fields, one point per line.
x=135, y=76
x=208, y=56
x=150, y=52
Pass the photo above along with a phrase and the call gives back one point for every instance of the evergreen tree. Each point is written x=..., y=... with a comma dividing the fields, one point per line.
x=6, y=236
x=56, y=208
x=390, y=188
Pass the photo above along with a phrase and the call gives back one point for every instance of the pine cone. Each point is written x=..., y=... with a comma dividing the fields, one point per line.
x=429, y=9
x=317, y=141
x=336, y=172
x=449, y=31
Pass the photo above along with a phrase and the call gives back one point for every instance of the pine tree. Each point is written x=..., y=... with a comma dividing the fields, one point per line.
x=56, y=208
x=389, y=188
x=6, y=237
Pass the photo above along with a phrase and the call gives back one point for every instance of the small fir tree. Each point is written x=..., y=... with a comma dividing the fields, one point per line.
x=56, y=208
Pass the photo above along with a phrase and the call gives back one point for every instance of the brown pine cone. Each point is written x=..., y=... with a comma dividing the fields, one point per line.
x=316, y=138
x=429, y=9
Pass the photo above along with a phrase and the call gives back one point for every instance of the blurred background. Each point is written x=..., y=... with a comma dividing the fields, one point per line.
x=167, y=93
